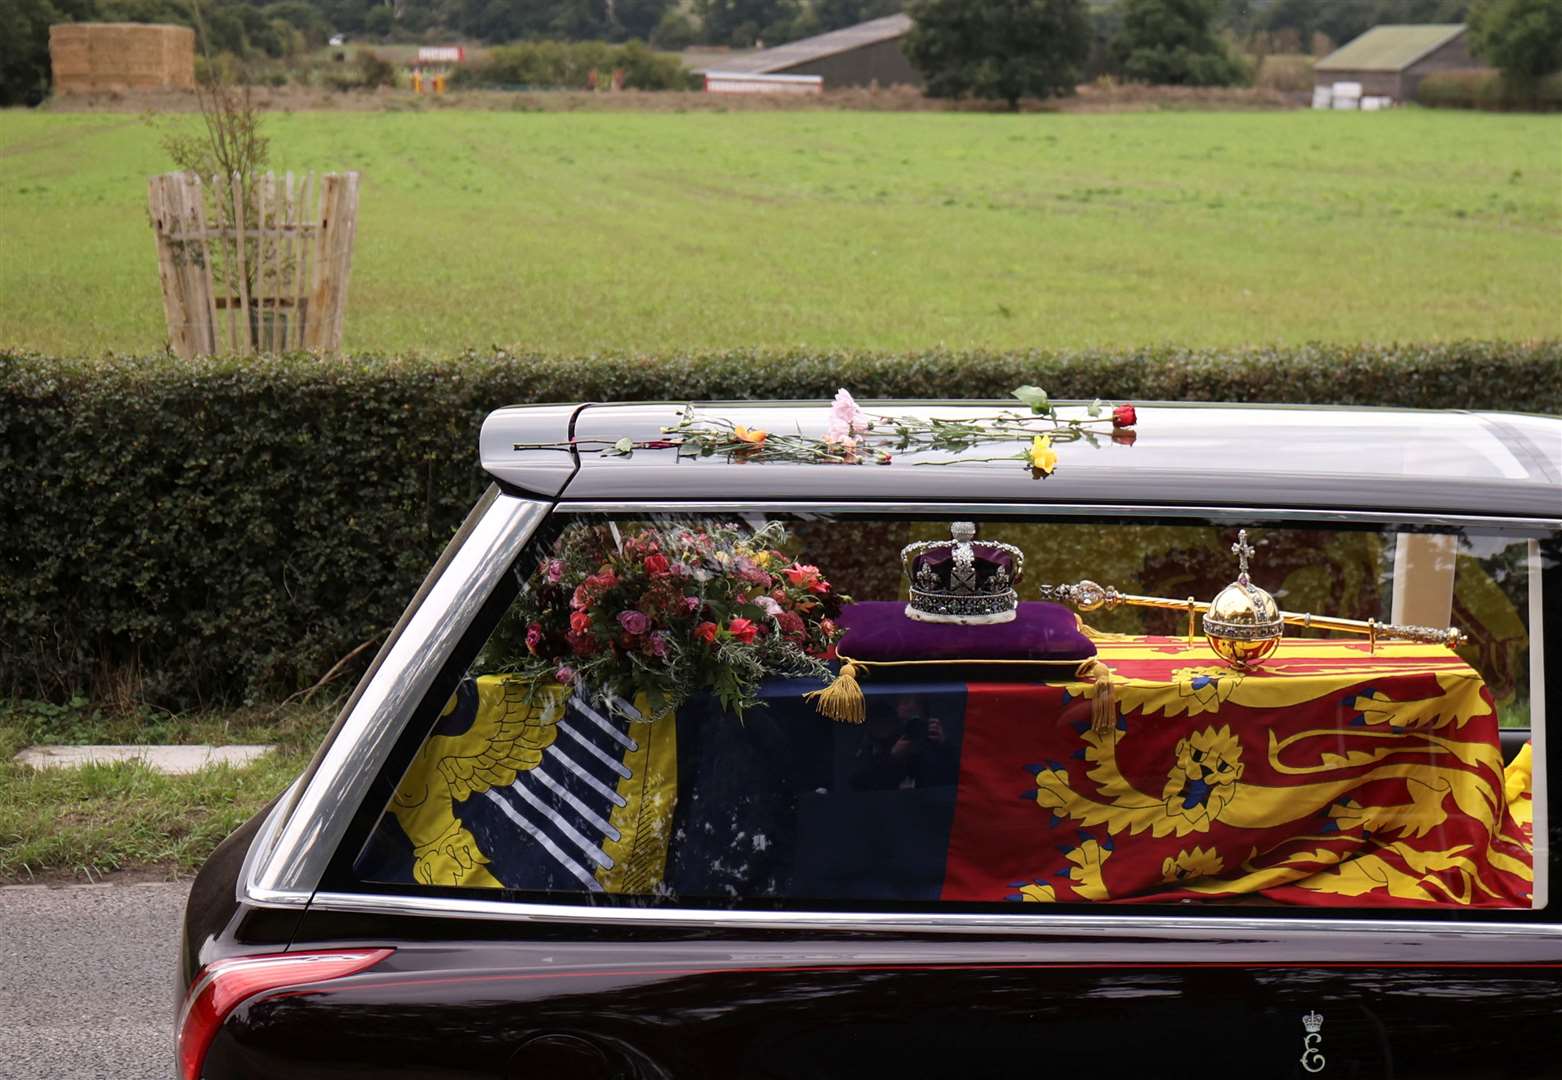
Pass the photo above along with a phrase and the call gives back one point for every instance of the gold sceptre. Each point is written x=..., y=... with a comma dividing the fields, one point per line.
x=1088, y=596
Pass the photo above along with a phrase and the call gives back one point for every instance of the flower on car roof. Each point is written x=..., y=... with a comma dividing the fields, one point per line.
x=1041, y=458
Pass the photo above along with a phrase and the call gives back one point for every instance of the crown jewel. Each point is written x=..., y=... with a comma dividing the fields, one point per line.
x=1313, y=1022
x=1243, y=623
x=959, y=581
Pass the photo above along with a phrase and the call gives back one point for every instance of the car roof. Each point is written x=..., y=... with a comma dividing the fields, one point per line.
x=1316, y=458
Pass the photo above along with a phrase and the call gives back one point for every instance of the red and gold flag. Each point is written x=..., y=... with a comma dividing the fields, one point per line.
x=1335, y=775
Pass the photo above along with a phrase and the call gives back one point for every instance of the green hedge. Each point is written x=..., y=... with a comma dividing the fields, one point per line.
x=570, y=65
x=1488, y=90
x=206, y=533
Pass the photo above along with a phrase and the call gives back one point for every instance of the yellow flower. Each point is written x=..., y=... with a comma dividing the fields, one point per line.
x=753, y=436
x=1041, y=457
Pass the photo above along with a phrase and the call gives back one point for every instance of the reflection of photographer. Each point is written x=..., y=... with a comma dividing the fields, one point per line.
x=903, y=749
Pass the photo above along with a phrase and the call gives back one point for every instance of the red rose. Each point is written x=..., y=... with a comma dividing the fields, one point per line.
x=581, y=599
x=657, y=565
x=579, y=622
x=1124, y=416
x=533, y=637
x=743, y=630
x=706, y=632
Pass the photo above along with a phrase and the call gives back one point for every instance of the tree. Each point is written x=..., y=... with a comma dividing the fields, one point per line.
x=999, y=50
x=1172, y=42
x=639, y=19
x=1522, y=37
x=838, y=14
x=741, y=23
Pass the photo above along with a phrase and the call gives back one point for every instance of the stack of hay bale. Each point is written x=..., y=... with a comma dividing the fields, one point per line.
x=94, y=58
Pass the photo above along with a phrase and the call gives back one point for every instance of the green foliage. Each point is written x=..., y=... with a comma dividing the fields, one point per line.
x=24, y=45
x=221, y=531
x=674, y=30
x=638, y=19
x=999, y=50
x=64, y=824
x=1342, y=20
x=1172, y=42
x=243, y=30
x=1489, y=90
x=574, y=65
x=1522, y=37
x=744, y=23
x=374, y=70
x=838, y=14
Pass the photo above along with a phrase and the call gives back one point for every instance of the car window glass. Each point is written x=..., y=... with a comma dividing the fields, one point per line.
x=737, y=711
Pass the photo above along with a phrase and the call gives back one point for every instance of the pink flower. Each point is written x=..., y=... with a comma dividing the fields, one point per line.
x=565, y=674
x=743, y=630
x=656, y=644
x=634, y=622
x=846, y=419
x=581, y=599
x=534, y=637
x=768, y=606
x=553, y=570
x=691, y=604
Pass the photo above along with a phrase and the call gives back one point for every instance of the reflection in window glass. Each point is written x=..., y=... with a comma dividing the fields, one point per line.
x=781, y=711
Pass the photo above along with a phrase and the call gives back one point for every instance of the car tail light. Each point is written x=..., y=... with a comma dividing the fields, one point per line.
x=223, y=985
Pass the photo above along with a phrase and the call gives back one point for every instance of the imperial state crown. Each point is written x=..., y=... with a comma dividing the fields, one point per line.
x=962, y=581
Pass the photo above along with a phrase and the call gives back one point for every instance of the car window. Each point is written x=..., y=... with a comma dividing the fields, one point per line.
x=894, y=711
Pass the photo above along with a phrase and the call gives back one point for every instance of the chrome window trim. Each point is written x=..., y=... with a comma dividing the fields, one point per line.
x=1233, y=514
x=262, y=844
x=899, y=922
x=289, y=873
x=305, y=841
x=1540, y=843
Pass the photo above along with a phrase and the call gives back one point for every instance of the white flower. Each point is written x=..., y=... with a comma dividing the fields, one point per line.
x=768, y=605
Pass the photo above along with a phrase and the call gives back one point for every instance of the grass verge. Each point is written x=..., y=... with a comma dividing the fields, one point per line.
x=79, y=825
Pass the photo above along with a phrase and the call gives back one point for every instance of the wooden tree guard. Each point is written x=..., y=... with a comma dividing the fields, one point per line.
x=262, y=272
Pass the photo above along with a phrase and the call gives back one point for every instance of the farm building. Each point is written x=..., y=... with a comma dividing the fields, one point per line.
x=1391, y=61
x=855, y=56
x=90, y=58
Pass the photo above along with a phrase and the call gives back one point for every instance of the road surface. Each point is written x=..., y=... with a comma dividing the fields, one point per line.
x=87, y=980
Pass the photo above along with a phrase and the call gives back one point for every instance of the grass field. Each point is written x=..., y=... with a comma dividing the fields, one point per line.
x=670, y=231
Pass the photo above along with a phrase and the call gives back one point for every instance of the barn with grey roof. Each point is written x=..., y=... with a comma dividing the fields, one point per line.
x=860, y=55
x=1391, y=61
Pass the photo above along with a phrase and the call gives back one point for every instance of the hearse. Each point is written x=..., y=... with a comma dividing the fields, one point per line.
x=955, y=739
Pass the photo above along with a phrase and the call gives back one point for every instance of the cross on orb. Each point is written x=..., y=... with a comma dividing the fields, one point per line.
x=1242, y=549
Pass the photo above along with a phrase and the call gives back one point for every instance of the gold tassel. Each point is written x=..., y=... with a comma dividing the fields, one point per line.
x=842, y=700
x=1103, y=703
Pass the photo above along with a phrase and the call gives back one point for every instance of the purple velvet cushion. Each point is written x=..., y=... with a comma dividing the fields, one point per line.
x=879, y=630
